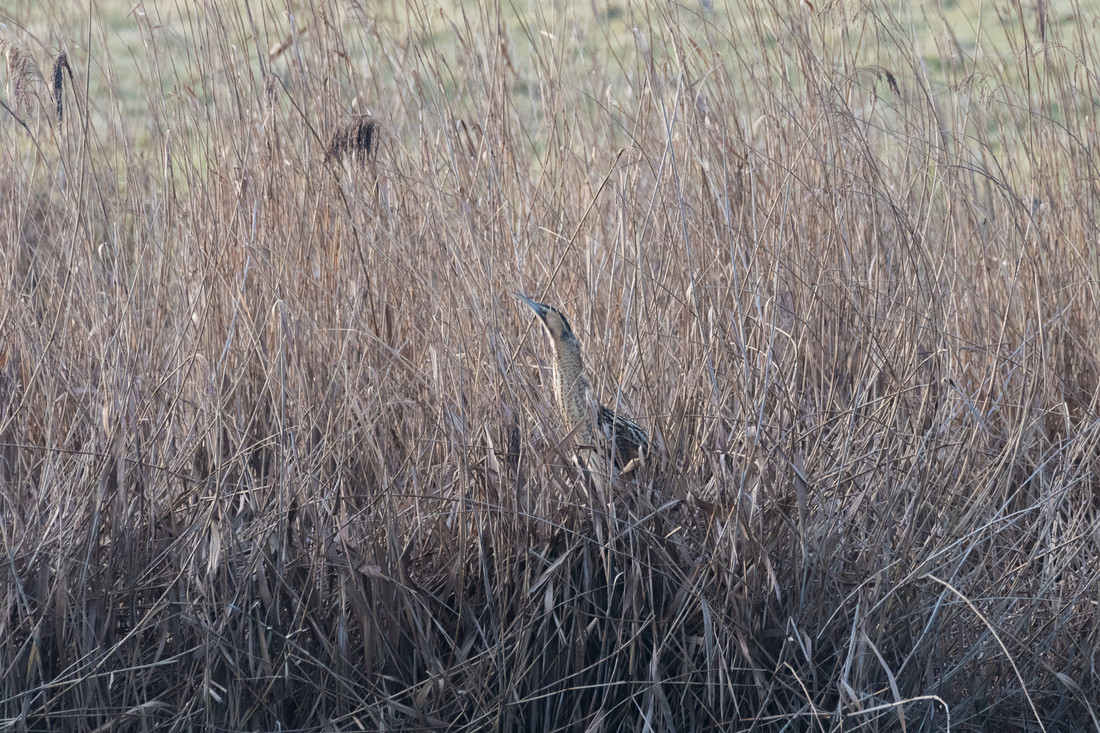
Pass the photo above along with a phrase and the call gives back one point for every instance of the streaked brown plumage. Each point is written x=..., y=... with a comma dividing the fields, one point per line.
x=596, y=426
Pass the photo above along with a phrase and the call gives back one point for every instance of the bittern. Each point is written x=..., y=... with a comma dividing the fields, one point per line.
x=597, y=427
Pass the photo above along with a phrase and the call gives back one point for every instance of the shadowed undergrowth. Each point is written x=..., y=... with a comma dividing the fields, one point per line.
x=277, y=445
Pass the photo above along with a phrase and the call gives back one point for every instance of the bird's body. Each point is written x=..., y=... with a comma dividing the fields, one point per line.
x=595, y=427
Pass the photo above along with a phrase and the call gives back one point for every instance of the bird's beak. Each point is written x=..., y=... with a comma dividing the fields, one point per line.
x=538, y=308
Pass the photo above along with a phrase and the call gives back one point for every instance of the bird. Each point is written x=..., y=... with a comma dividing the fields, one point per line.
x=597, y=428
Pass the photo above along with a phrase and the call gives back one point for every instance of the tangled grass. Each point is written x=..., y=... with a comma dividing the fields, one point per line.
x=276, y=445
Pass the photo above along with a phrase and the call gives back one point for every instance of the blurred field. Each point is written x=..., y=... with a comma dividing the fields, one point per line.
x=277, y=450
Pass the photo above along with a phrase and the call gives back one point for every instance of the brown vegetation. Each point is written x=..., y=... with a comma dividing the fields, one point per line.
x=276, y=445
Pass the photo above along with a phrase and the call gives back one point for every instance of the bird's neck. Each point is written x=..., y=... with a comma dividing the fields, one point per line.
x=570, y=384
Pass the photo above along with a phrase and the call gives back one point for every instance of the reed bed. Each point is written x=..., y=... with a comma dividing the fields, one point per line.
x=277, y=449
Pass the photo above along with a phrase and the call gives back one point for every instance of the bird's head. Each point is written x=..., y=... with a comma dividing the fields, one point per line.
x=556, y=324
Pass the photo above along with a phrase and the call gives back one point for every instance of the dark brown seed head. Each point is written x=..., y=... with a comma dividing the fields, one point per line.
x=60, y=65
x=356, y=139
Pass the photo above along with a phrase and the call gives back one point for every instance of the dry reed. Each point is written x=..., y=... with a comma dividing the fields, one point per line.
x=277, y=453
x=24, y=78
